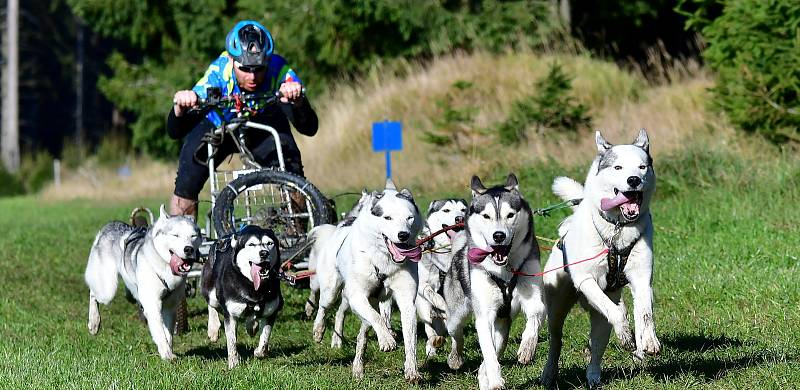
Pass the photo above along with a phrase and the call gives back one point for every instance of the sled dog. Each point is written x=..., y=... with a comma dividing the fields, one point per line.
x=614, y=217
x=433, y=268
x=375, y=261
x=241, y=279
x=153, y=264
x=491, y=277
x=320, y=236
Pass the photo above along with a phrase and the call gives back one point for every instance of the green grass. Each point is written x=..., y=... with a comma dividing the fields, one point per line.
x=726, y=300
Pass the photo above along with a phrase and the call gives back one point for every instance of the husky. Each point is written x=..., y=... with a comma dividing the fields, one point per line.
x=375, y=261
x=433, y=268
x=492, y=276
x=320, y=235
x=241, y=279
x=614, y=216
x=153, y=264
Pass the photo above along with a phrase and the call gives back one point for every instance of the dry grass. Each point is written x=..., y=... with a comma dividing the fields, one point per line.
x=340, y=155
x=148, y=179
x=672, y=108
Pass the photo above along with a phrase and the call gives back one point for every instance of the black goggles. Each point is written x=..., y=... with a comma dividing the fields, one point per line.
x=251, y=69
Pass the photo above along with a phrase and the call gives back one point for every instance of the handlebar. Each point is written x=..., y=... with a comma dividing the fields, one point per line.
x=214, y=99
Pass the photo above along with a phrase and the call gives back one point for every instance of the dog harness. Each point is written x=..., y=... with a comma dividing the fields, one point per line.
x=616, y=261
x=506, y=288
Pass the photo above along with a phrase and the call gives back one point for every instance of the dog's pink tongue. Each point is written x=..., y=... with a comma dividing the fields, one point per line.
x=609, y=203
x=255, y=273
x=413, y=254
x=175, y=264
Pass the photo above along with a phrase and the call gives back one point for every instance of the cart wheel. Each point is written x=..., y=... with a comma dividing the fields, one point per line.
x=281, y=201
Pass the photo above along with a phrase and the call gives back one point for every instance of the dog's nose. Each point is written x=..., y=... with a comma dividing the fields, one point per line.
x=634, y=181
x=459, y=219
x=499, y=237
x=403, y=236
x=263, y=253
x=188, y=251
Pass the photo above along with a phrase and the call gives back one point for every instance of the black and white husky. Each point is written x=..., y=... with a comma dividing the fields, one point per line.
x=614, y=216
x=490, y=278
x=433, y=267
x=373, y=262
x=241, y=279
x=153, y=264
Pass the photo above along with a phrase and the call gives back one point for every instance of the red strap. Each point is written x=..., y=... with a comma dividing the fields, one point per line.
x=603, y=252
x=438, y=232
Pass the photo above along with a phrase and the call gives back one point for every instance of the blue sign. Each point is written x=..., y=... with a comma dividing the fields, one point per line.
x=387, y=136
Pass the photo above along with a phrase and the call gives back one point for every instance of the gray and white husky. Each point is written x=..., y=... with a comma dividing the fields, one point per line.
x=614, y=216
x=433, y=268
x=241, y=280
x=153, y=264
x=373, y=262
x=491, y=277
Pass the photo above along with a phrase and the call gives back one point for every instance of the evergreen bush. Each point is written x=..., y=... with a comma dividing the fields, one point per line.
x=550, y=107
x=754, y=46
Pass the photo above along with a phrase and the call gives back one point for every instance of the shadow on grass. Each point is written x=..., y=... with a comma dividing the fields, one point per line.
x=219, y=351
x=698, y=343
x=438, y=369
x=697, y=355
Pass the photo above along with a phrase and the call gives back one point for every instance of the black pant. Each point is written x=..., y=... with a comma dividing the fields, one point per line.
x=192, y=175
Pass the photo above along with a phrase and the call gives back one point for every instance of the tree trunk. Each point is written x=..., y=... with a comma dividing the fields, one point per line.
x=9, y=142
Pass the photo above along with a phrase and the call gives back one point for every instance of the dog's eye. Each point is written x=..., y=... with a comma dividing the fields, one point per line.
x=510, y=215
x=446, y=210
x=618, y=167
x=486, y=216
x=388, y=218
x=642, y=167
x=251, y=244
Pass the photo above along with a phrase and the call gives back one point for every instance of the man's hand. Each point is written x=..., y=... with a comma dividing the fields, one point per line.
x=184, y=100
x=291, y=91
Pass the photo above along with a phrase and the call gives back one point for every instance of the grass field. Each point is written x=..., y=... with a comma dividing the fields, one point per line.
x=726, y=250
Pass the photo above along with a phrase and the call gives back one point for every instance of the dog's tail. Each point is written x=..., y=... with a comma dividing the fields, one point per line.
x=567, y=189
x=317, y=236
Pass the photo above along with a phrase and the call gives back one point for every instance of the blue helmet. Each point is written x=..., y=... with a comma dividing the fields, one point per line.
x=249, y=43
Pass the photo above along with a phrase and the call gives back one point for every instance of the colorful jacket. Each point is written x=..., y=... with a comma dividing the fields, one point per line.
x=220, y=74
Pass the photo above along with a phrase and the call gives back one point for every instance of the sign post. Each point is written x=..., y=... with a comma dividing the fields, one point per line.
x=386, y=137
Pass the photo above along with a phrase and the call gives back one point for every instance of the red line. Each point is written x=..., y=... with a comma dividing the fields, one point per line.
x=604, y=251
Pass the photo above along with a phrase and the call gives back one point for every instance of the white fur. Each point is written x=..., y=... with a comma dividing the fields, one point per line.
x=431, y=306
x=348, y=265
x=584, y=234
x=158, y=300
x=486, y=298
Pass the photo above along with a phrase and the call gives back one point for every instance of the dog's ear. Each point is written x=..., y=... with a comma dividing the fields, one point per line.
x=602, y=144
x=390, y=184
x=512, y=184
x=476, y=186
x=407, y=193
x=435, y=205
x=163, y=215
x=364, y=192
x=642, y=141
